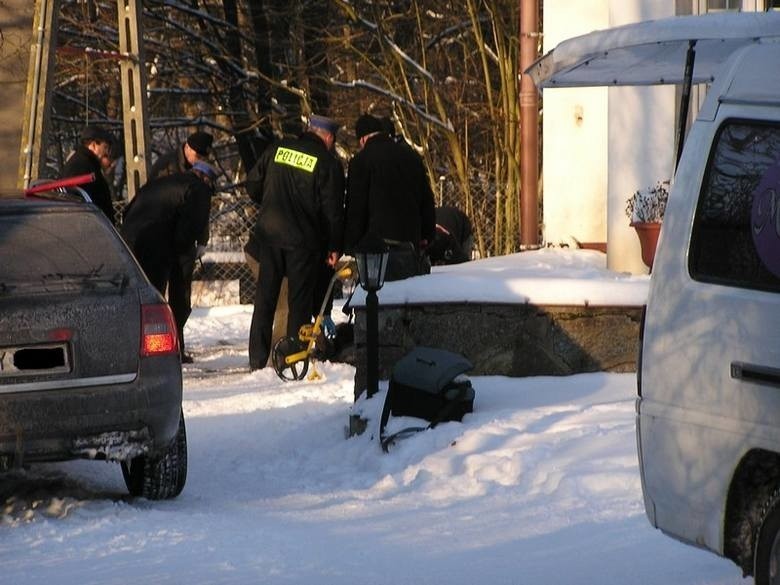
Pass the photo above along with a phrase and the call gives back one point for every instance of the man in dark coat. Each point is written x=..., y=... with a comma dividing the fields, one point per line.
x=195, y=149
x=299, y=186
x=454, y=239
x=87, y=158
x=389, y=196
x=161, y=225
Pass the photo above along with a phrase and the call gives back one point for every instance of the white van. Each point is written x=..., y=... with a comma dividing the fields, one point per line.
x=708, y=425
x=708, y=411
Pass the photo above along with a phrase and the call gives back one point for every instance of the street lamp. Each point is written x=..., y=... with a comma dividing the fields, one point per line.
x=371, y=260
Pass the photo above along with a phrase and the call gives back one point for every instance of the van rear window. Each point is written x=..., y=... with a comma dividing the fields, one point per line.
x=736, y=232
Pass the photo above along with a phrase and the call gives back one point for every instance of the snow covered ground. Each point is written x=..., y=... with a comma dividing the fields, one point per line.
x=539, y=485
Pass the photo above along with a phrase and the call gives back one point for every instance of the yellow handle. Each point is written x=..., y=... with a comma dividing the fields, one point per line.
x=345, y=273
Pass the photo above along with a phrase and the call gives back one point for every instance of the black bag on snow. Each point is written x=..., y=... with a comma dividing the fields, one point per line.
x=427, y=383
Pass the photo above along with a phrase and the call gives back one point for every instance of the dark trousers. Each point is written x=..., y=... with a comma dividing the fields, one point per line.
x=180, y=291
x=301, y=268
x=405, y=261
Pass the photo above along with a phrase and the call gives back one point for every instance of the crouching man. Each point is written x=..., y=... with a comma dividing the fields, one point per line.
x=161, y=226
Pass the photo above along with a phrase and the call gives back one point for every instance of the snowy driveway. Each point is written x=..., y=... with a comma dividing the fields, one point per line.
x=538, y=485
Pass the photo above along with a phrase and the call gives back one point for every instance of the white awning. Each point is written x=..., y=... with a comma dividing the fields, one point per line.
x=653, y=52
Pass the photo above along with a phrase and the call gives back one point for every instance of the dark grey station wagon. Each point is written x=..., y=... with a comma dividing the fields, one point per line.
x=89, y=356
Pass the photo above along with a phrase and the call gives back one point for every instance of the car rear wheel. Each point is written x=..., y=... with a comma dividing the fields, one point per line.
x=160, y=477
x=766, y=568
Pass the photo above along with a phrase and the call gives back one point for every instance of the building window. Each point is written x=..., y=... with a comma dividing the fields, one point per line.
x=722, y=5
x=704, y=6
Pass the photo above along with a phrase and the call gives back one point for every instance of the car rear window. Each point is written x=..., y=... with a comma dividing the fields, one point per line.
x=57, y=251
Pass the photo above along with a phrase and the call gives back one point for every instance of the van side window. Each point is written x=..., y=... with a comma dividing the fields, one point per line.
x=739, y=208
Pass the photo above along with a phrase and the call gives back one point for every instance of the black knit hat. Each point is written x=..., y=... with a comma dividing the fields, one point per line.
x=387, y=125
x=367, y=124
x=200, y=142
x=94, y=133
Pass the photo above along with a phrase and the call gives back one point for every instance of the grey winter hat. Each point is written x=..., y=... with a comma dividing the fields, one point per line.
x=324, y=123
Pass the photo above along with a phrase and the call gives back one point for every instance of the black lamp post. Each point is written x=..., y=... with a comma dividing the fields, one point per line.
x=371, y=264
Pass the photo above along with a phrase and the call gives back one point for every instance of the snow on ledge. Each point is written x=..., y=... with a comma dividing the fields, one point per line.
x=551, y=276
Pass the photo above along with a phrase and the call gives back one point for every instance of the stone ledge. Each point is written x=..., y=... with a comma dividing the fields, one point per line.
x=507, y=339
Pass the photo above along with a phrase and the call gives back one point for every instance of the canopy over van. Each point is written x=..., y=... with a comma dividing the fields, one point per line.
x=675, y=50
x=653, y=52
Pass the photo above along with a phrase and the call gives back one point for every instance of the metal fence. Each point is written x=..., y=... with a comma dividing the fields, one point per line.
x=224, y=263
x=222, y=276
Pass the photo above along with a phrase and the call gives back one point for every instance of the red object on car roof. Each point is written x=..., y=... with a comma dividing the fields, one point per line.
x=61, y=183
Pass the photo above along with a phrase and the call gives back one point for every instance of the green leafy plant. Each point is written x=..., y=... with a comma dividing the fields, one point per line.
x=648, y=205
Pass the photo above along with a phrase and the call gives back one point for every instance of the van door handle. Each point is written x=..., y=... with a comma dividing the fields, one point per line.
x=755, y=373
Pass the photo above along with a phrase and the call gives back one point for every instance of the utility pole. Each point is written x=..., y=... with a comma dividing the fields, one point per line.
x=39, y=91
x=133, y=72
x=529, y=126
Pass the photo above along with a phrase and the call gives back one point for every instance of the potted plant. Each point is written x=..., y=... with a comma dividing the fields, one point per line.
x=646, y=208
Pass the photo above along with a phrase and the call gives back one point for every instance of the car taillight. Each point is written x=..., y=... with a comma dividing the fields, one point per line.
x=60, y=334
x=158, y=331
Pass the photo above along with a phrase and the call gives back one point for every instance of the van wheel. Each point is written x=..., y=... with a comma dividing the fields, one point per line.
x=160, y=477
x=766, y=561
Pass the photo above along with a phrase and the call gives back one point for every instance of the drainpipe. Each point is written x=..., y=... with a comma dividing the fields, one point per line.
x=529, y=127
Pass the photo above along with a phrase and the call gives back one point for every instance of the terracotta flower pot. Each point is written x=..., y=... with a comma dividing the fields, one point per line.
x=648, y=240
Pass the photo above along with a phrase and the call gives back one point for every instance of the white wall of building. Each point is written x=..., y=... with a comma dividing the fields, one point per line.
x=574, y=139
x=599, y=144
x=641, y=136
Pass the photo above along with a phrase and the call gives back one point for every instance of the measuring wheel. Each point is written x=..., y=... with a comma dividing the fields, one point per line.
x=296, y=370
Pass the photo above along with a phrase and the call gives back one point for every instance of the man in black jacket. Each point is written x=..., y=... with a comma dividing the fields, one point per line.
x=161, y=225
x=454, y=239
x=195, y=149
x=389, y=197
x=299, y=186
x=87, y=158
x=179, y=160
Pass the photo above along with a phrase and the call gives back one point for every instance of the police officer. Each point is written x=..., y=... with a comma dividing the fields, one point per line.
x=299, y=186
